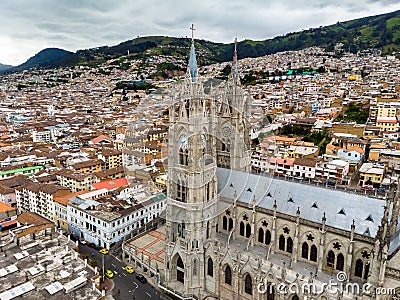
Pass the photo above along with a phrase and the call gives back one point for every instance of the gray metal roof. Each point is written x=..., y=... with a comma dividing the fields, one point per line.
x=340, y=207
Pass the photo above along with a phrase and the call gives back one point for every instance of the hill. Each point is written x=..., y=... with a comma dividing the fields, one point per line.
x=380, y=32
x=48, y=58
x=4, y=67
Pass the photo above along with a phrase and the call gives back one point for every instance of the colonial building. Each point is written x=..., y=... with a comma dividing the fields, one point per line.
x=235, y=235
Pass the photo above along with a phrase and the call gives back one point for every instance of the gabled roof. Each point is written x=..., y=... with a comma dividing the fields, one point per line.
x=358, y=207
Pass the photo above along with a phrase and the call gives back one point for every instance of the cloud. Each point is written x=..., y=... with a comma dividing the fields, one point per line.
x=27, y=26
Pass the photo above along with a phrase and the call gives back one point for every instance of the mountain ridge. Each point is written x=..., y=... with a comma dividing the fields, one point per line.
x=4, y=67
x=379, y=32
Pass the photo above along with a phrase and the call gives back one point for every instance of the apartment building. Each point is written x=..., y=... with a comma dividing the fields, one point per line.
x=371, y=174
x=100, y=222
x=112, y=158
x=75, y=181
x=39, y=198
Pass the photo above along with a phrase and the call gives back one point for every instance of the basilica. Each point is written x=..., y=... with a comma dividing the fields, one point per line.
x=232, y=234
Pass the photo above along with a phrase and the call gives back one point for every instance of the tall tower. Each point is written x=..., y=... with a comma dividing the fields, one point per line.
x=233, y=130
x=207, y=130
x=192, y=183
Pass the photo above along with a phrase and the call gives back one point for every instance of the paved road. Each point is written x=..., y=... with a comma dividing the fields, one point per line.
x=126, y=283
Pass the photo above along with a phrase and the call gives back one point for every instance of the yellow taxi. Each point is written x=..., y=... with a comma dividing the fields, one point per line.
x=129, y=269
x=103, y=251
x=109, y=274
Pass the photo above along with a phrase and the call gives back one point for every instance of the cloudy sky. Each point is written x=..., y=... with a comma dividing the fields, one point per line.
x=28, y=26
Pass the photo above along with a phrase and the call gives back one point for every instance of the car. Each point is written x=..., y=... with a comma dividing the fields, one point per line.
x=109, y=273
x=103, y=251
x=91, y=245
x=73, y=237
x=83, y=242
x=96, y=247
x=141, y=278
x=129, y=269
x=367, y=187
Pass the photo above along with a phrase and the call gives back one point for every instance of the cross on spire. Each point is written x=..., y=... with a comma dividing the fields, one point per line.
x=192, y=29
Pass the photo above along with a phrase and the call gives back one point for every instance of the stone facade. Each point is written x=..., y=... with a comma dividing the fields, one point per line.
x=245, y=245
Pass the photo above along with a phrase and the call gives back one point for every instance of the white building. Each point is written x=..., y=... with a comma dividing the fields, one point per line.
x=105, y=224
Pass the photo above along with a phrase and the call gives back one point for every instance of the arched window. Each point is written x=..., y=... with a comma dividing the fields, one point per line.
x=225, y=223
x=304, y=250
x=179, y=263
x=366, y=271
x=313, y=253
x=210, y=267
x=248, y=285
x=340, y=262
x=228, y=275
x=282, y=243
x=267, y=237
x=330, y=259
x=261, y=235
x=241, y=229
x=295, y=297
x=230, y=224
x=358, y=271
x=289, y=246
x=248, y=230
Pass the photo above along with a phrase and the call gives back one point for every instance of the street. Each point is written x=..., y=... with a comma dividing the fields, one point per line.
x=127, y=284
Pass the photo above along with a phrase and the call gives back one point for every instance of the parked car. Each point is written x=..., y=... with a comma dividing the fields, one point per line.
x=91, y=245
x=73, y=237
x=331, y=183
x=97, y=247
x=83, y=242
x=141, y=278
x=367, y=187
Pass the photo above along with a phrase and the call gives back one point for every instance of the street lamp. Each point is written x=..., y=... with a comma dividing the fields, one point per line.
x=102, y=258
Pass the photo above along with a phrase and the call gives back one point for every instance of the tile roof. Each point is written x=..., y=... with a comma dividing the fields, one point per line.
x=110, y=184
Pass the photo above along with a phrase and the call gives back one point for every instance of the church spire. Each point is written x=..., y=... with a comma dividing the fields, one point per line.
x=235, y=69
x=192, y=58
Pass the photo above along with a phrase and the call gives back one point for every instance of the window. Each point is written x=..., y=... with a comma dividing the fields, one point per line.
x=248, y=230
x=358, y=271
x=210, y=267
x=304, y=250
x=248, y=285
x=282, y=243
x=260, y=235
x=228, y=275
x=330, y=259
x=340, y=262
x=241, y=229
x=195, y=267
x=225, y=223
x=267, y=237
x=230, y=224
x=313, y=253
x=289, y=246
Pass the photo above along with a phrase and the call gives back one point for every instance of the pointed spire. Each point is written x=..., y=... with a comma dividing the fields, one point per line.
x=235, y=69
x=192, y=58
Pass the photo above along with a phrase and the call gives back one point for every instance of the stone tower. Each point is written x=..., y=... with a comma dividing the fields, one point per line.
x=206, y=130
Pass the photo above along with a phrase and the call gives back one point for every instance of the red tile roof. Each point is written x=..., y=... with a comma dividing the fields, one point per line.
x=110, y=184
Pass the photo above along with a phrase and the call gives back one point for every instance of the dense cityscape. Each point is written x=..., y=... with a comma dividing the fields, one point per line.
x=269, y=177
